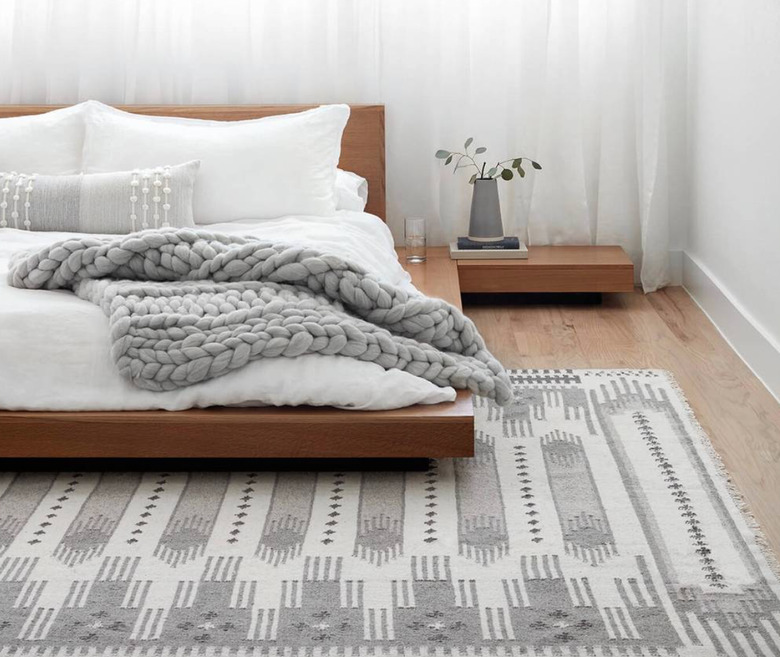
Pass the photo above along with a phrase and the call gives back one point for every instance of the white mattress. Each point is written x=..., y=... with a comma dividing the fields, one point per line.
x=54, y=347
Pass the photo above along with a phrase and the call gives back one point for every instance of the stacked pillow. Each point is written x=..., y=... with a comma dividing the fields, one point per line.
x=261, y=168
x=48, y=143
x=351, y=191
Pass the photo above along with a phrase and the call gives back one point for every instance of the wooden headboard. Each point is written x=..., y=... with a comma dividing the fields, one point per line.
x=362, y=149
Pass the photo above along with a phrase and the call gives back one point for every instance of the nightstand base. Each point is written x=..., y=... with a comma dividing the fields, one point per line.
x=551, y=269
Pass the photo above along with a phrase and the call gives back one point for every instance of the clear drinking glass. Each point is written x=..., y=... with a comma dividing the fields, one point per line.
x=414, y=232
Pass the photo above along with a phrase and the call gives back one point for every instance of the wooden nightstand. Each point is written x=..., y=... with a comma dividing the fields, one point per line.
x=437, y=276
x=551, y=269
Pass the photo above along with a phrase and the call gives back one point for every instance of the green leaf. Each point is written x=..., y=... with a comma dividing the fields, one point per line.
x=492, y=172
x=536, y=165
x=480, y=150
x=448, y=160
x=472, y=179
x=468, y=142
x=517, y=163
x=442, y=155
x=521, y=171
x=507, y=174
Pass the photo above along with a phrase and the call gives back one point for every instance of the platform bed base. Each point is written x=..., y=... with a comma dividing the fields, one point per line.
x=435, y=431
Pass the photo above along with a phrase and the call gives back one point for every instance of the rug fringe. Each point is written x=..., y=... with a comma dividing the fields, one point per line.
x=734, y=492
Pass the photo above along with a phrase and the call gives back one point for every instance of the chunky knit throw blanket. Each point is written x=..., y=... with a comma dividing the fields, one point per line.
x=188, y=305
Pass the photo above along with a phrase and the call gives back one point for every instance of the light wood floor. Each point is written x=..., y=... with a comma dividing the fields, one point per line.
x=664, y=330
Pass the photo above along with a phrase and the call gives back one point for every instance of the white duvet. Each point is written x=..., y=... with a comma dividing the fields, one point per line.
x=54, y=347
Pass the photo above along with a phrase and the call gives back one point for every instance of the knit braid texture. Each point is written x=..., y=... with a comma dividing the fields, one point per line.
x=186, y=306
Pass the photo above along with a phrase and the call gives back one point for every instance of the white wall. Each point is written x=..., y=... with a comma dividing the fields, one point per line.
x=732, y=263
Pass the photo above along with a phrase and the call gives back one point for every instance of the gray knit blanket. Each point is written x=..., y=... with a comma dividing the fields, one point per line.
x=185, y=306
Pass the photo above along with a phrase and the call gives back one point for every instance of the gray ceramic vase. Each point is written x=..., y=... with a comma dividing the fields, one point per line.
x=485, y=224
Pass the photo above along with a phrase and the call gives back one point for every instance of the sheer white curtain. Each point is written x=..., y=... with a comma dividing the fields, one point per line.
x=591, y=89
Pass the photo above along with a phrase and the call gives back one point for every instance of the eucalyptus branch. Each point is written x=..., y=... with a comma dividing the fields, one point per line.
x=472, y=162
x=499, y=170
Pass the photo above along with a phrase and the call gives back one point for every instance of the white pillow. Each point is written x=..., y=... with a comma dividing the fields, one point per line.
x=351, y=191
x=49, y=143
x=257, y=169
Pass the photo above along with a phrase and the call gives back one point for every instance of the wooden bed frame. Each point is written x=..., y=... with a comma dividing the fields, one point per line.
x=441, y=430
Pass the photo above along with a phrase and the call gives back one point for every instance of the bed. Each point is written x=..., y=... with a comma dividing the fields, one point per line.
x=421, y=430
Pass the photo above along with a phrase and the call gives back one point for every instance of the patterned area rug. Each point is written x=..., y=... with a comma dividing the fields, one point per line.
x=594, y=520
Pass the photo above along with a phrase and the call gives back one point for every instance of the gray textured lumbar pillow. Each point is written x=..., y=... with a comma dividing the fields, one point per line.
x=116, y=202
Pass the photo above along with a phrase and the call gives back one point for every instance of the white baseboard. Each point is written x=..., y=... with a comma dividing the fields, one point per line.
x=746, y=336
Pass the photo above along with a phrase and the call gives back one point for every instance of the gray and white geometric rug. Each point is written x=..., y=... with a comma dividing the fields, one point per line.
x=594, y=520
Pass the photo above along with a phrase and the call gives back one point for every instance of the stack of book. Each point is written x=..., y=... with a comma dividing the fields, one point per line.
x=508, y=247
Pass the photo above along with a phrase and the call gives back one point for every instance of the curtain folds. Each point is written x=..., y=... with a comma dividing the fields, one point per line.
x=591, y=89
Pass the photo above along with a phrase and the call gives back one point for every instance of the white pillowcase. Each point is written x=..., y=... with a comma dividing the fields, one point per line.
x=49, y=143
x=351, y=191
x=262, y=168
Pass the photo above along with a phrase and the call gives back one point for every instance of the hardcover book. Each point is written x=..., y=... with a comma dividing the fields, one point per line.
x=488, y=254
x=509, y=242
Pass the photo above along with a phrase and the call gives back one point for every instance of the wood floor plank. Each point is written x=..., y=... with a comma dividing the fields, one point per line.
x=664, y=330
